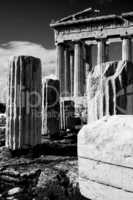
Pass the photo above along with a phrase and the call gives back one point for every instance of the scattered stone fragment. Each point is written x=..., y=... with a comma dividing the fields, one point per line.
x=14, y=191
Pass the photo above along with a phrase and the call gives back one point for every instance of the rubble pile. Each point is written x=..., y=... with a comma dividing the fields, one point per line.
x=2, y=129
x=16, y=185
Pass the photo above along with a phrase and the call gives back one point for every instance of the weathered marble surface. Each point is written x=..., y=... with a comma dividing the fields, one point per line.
x=23, y=128
x=95, y=191
x=111, y=92
x=67, y=114
x=50, y=107
x=105, y=156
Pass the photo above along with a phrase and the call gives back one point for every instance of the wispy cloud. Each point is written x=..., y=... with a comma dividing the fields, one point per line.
x=48, y=58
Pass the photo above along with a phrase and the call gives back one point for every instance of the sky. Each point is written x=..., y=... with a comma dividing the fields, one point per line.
x=24, y=28
x=28, y=20
x=14, y=48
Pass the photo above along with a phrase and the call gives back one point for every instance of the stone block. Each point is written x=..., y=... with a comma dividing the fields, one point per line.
x=105, y=156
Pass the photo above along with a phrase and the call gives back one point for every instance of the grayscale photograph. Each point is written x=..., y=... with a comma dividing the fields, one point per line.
x=66, y=100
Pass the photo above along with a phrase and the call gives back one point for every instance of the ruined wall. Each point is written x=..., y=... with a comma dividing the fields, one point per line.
x=111, y=92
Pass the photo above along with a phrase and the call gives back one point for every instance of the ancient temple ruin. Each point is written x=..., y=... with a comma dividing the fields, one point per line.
x=89, y=44
x=95, y=64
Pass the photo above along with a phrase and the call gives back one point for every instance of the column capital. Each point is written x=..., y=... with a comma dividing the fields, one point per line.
x=78, y=42
x=66, y=46
x=113, y=40
x=59, y=44
x=101, y=39
x=90, y=42
x=125, y=36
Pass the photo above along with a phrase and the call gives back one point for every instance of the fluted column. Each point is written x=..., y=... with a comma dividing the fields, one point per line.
x=67, y=79
x=126, y=49
x=78, y=70
x=127, y=56
x=60, y=66
x=24, y=103
x=88, y=56
x=88, y=63
x=50, y=107
x=101, y=51
x=101, y=58
x=72, y=71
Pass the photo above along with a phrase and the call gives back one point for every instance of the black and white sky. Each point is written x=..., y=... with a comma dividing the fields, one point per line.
x=24, y=28
x=28, y=20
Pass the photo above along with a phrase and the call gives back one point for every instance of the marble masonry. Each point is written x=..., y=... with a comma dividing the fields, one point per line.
x=23, y=128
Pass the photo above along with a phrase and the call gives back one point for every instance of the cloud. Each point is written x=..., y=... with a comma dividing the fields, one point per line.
x=48, y=58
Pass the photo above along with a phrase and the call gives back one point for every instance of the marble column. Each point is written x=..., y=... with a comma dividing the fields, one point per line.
x=60, y=66
x=23, y=128
x=84, y=69
x=88, y=57
x=101, y=51
x=78, y=69
x=72, y=72
x=67, y=78
x=127, y=56
x=88, y=63
x=101, y=58
x=126, y=49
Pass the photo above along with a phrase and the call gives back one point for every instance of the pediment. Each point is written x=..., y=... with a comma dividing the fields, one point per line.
x=87, y=13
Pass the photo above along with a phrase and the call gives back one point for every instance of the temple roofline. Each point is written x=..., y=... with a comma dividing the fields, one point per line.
x=86, y=20
x=127, y=14
x=88, y=11
x=75, y=15
x=90, y=17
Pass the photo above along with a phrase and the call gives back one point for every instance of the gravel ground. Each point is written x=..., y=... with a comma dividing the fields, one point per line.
x=50, y=166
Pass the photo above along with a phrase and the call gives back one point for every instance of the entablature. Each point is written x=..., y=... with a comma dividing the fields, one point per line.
x=107, y=26
x=80, y=34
